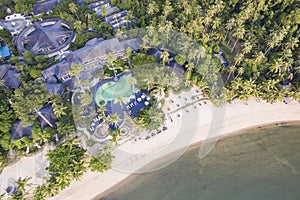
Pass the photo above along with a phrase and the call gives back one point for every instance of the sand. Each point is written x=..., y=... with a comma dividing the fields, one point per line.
x=197, y=124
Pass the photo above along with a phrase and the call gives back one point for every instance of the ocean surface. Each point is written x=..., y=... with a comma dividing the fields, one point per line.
x=262, y=163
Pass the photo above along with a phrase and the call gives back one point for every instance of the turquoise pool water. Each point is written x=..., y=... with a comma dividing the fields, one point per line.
x=109, y=91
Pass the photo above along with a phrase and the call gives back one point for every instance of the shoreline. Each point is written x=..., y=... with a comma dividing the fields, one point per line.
x=238, y=116
x=194, y=145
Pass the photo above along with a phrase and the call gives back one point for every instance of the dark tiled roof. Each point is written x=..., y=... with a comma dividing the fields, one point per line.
x=112, y=19
x=97, y=4
x=62, y=69
x=56, y=89
x=45, y=37
x=3, y=69
x=95, y=48
x=11, y=79
x=44, y=7
x=134, y=44
x=156, y=53
x=18, y=131
x=48, y=114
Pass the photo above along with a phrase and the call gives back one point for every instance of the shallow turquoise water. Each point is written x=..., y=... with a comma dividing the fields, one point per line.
x=259, y=164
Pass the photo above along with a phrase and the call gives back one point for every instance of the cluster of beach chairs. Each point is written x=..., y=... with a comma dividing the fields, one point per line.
x=140, y=102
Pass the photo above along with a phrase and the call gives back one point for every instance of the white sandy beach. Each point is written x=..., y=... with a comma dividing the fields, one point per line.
x=196, y=125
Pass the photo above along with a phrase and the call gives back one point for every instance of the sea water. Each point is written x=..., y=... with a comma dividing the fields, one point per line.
x=262, y=163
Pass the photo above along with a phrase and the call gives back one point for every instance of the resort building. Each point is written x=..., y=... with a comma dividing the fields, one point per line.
x=18, y=131
x=179, y=70
x=92, y=55
x=55, y=88
x=118, y=20
x=113, y=17
x=44, y=7
x=44, y=115
x=9, y=76
x=15, y=23
x=49, y=38
x=96, y=7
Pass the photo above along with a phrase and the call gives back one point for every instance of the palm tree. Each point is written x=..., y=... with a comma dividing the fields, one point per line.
x=104, y=12
x=75, y=71
x=240, y=71
x=86, y=98
x=239, y=34
x=89, y=21
x=111, y=58
x=149, y=80
x=238, y=59
x=152, y=8
x=156, y=117
x=167, y=9
x=276, y=37
x=247, y=47
x=22, y=186
x=79, y=26
x=189, y=68
x=128, y=55
x=276, y=66
x=231, y=71
x=102, y=110
x=2, y=84
x=114, y=119
x=168, y=27
x=101, y=161
x=119, y=99
x=296, y=95
x=59, y=110
x=132, y=81
x=159, y=92
x=129, y=17
x=165, y=57
x=73, y=9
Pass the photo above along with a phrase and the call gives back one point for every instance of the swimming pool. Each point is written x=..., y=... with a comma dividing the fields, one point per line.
x=110, y=90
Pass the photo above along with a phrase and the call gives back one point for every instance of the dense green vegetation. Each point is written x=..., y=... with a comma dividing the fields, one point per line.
x=101, y=161
x=67, y=162
x=7, y=118
x=259, y=39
